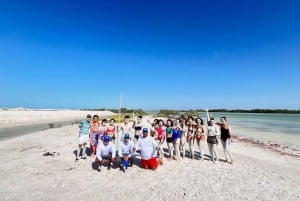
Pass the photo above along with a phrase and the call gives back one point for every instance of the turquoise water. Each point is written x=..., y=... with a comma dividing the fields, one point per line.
x=278, y=123
x=277, y=128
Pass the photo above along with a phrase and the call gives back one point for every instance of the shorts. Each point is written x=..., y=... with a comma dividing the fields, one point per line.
x=169, y=140
x=149, y=164
x=212, y=140
x=83, y=139
x=94, y=138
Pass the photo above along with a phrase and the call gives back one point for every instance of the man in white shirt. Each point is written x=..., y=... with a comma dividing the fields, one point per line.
x=148, y=148
x=126, y=154
x=106, y=152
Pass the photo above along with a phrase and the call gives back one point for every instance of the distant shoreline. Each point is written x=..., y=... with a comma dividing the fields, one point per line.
x=138, y=110
x=274, y=111
x=20, y=130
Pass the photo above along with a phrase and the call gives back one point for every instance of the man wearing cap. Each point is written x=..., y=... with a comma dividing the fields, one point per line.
x=148, y=148
x=126, y=150
x=83, y=138
x=106, y=152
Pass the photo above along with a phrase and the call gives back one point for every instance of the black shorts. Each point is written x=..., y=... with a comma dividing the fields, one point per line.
x=169, y=140
x=212, y=139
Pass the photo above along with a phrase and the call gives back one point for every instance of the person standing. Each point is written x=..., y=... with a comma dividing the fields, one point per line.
x=138, y=127
x=200, y=136
x=161, y=136
x=226, y=138
x=148, y=148
x=176, y=139
x=83, y=139
x=190, y=135
x=212, y=132
x=111, y=130
x=183, y=135
x=102, y=130
x=169, y=132
x=94, y=134
x=126, y=128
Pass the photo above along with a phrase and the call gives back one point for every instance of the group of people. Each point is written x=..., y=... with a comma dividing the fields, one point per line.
x=103, y=143
x=107, y=148
x=182, y=131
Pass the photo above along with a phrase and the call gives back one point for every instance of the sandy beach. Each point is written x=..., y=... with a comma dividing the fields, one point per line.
x=26, y=174
x=20, y=117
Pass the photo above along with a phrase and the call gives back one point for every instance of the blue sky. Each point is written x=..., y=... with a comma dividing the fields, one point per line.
x=159, y=54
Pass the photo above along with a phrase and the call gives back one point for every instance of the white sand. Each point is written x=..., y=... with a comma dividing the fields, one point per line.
x=10, y=118
x=25, y=174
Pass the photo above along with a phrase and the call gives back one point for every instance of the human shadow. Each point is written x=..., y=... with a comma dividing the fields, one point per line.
x=95, y=165
x=137, y=162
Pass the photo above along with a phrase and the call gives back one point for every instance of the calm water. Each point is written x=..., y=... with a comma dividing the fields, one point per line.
x=277, y=123
x=279, y=128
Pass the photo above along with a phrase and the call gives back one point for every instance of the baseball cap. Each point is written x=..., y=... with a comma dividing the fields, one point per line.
x=106, y=138
x=145, y=130
x=126, y=136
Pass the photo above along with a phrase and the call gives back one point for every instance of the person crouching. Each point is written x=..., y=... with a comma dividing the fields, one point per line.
x=106, y=153
x=126, y=154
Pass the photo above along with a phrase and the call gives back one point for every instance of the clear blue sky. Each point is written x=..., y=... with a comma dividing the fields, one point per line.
x=159, y=54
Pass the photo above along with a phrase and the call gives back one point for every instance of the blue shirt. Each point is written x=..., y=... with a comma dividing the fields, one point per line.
x=175, y=134
x=84, y=127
